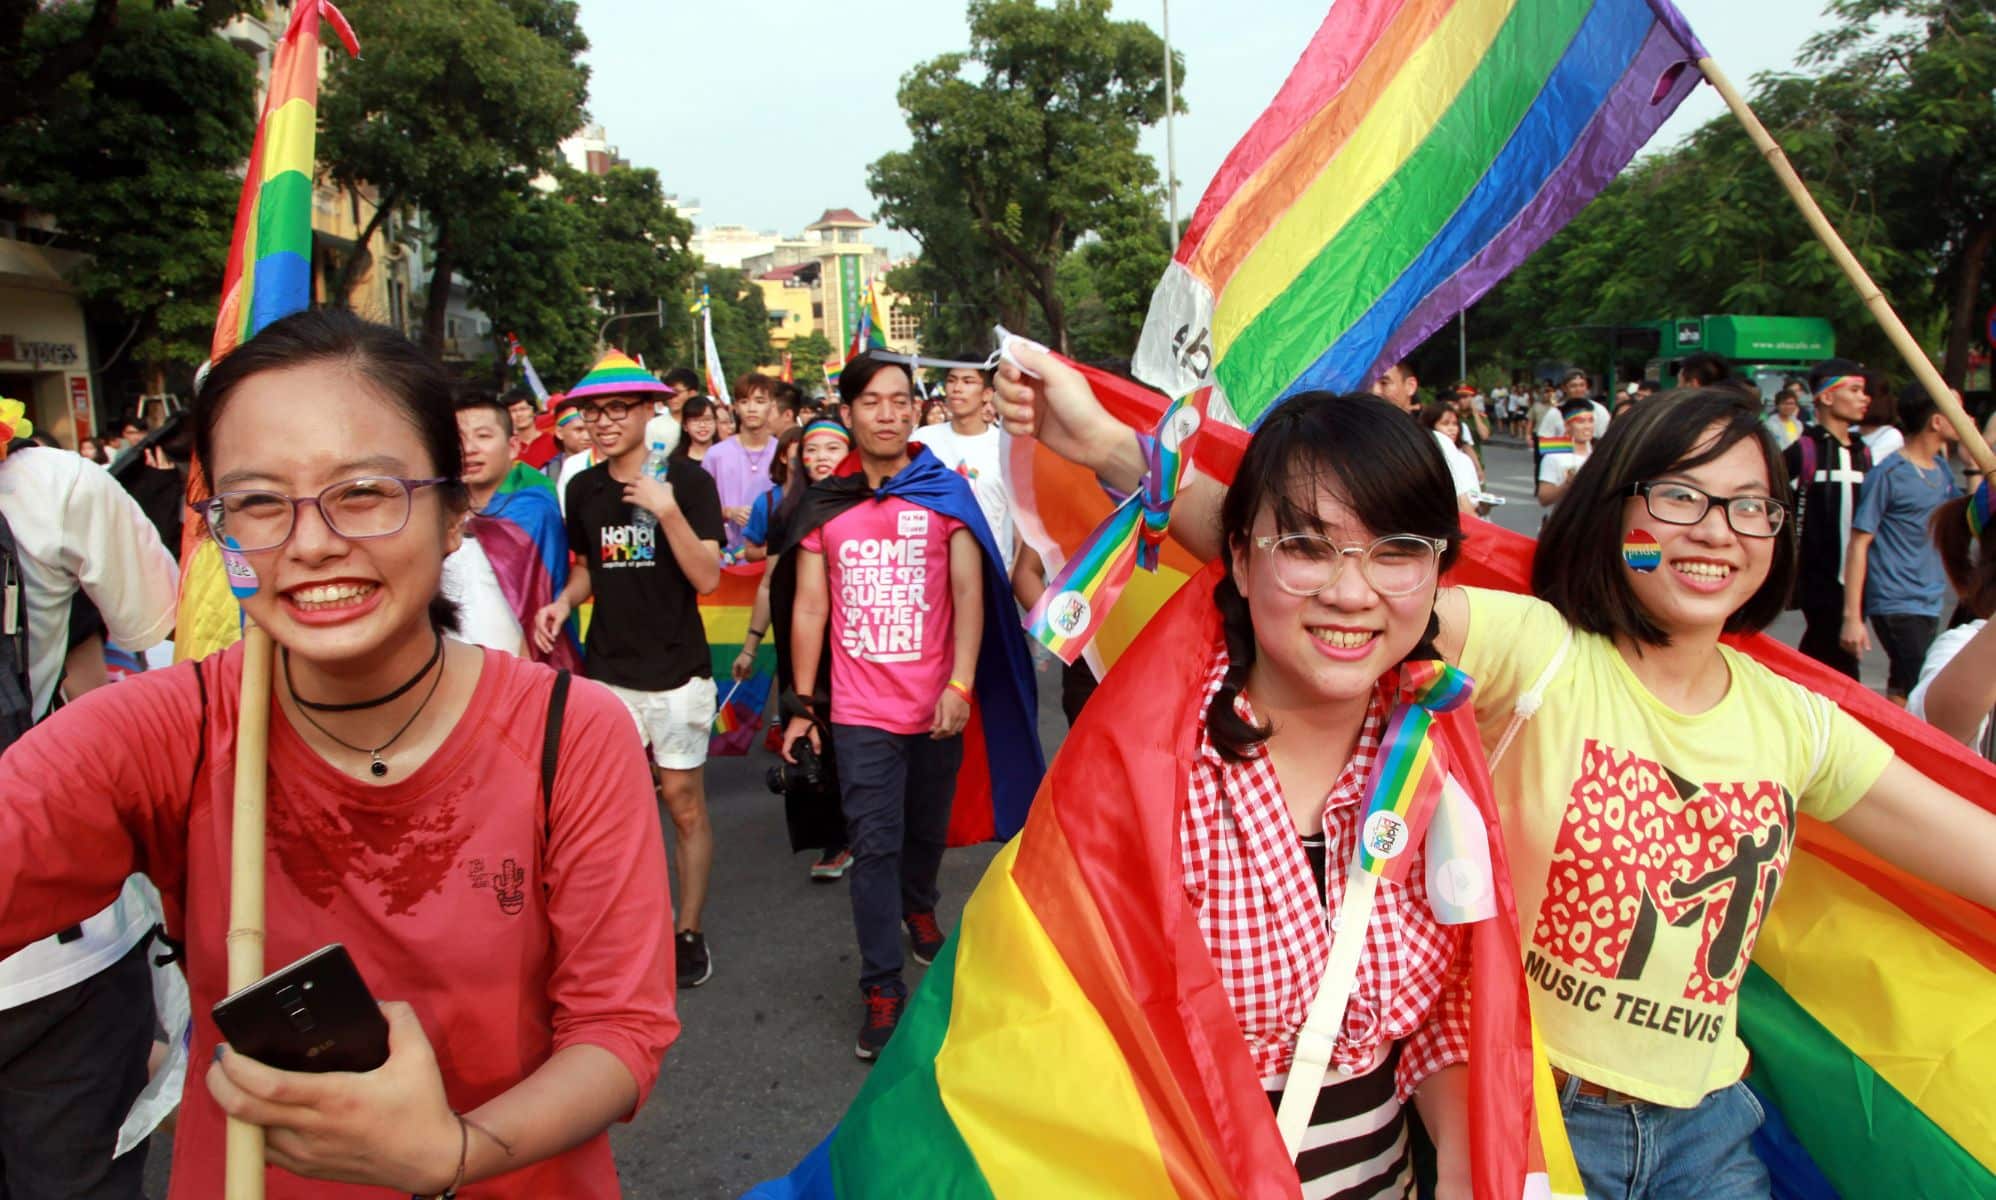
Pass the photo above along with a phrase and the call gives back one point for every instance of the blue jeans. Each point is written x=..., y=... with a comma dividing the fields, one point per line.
x=896, y=790
x=1654, y=1152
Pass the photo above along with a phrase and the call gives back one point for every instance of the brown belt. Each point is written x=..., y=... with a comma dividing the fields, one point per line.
x=1610, y=1095
x=1590, y=1088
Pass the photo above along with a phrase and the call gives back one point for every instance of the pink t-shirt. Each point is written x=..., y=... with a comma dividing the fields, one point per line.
x=893, y=641
x=445, y=886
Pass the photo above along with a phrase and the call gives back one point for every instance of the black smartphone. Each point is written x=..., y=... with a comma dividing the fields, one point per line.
x=314, y=1015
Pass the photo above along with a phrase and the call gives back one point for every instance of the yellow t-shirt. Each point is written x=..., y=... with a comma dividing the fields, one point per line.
x=1645, y=845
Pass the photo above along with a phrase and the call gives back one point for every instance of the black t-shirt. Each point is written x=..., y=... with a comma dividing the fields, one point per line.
x=646, y=632
x=1820, y=513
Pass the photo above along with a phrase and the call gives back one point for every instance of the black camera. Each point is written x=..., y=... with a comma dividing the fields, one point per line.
x=805, y=777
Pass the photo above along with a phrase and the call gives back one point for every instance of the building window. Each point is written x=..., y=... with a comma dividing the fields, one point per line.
x=904, y=326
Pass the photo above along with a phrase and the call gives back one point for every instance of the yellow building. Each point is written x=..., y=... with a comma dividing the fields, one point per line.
x=814, y=285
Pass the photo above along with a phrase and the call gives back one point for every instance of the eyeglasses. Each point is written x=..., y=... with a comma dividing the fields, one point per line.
x=1397, y=565
x=373, y=506
x=1681, y=504
x=611, y=410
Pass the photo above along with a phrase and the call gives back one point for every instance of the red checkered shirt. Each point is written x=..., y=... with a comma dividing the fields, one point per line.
x=1251, y=884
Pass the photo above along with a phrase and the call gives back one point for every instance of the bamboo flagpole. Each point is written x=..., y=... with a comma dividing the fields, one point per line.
x=243, y=1170
x=1881, y=309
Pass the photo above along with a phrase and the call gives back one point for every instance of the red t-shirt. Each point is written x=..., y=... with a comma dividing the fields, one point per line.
x=893, y=636
x=543, y=447
x=438, y=885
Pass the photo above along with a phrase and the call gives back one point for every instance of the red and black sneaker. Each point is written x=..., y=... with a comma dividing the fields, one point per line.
x=884, y=1004
x=924, y=935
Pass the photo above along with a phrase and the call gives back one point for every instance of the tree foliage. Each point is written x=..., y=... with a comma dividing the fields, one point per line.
x=452, y=110
x=741, y=321
x=1022, y=146
x=807, y=361
x=1895, y=134
x=45, y=47
x=156, y=224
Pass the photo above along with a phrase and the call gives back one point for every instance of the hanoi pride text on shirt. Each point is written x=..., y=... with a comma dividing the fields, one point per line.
x=887, y=571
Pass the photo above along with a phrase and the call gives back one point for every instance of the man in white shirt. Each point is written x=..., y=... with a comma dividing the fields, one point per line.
x=974, y=448
x=76, y=1009
x=1573, y=386
x=1557, y=469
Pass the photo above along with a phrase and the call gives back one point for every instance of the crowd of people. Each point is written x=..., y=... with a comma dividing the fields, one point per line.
x=493, y=677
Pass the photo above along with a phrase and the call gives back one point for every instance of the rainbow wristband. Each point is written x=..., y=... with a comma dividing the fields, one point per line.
x=960, y=688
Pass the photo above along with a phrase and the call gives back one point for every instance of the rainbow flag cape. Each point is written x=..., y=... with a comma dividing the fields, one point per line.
x=725, y=613
x=1073, y=1039
x=1417, y=153
x=269, y=275
x=1868, y=1004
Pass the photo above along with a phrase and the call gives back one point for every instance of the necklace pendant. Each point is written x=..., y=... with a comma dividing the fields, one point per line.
x=377, y=767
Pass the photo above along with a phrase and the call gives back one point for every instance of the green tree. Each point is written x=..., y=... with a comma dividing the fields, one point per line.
x=156, y=225
x=1106, y=283
x=807, y=361
x=635, y=258
x=44, y=48
x=1022, y=146
x=458, y=104
x=741, y=321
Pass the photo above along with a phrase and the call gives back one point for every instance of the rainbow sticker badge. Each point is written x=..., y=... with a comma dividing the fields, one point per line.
x=1641, y=551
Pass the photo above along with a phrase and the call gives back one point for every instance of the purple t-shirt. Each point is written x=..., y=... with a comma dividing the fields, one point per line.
x=739, y=475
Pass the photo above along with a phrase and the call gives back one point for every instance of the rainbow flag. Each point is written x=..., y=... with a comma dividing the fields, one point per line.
x=1558, y=445
x=833, y=368
x=1867, y=1007
x=1074, y=1039
x=717, y=379
x=269, y=275
x=871, y=332
x=725, y=614
x=1417, y=153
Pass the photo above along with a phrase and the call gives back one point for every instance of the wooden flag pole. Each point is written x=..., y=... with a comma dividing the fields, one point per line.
x=243, y=1166
x=1881, y=309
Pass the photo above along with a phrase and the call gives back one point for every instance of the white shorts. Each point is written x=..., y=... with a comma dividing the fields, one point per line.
x=675, y=724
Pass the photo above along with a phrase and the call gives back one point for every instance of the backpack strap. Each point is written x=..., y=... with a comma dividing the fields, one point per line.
x=551, y=750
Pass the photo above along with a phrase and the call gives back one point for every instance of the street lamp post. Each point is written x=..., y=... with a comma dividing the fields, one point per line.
x=604, y=329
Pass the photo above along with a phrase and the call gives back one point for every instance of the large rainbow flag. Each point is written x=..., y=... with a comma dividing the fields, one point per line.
x=1417, y=153
x=1074, y=1039
x=269, y=275
x=1870, y=1007
x=725, y=612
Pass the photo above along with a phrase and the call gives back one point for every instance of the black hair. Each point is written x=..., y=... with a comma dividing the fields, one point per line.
x=519, y=395
x=1881, y=405
x=1578, y=568
x=1831, y=368
x=695, y=406
x=1576, y=408
x=1703, y=369
x=987, y=373
x=1360, y=449
x=679, y=377
x=779, y=463
x=1968, y=557
x=413, y=383
x=786, y=396
x=1916, y=405
x=483, y=402
x=860, y=372
x=1431, y=415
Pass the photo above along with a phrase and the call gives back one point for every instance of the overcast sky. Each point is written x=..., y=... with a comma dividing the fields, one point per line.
x=768, y=113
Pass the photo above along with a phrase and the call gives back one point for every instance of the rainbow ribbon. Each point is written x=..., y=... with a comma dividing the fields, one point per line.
x=1407, y=776
x=1978, y=509
x=1083, y=591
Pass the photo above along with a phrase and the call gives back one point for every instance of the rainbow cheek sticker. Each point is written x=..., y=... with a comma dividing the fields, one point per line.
x=1641, y=551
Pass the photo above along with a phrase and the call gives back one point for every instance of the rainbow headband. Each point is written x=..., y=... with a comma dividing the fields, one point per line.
x=830, y=428
x=1831, y=382
x=1978, y=509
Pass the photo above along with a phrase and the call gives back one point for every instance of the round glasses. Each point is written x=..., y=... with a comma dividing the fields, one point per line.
x=1397, y=565
x=356, y=509
x=1676, y=503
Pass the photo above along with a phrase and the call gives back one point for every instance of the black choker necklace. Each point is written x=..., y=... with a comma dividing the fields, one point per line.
x=375, y=765
x=436, y=652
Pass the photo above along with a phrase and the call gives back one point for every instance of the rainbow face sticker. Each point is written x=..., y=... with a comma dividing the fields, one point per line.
x=242, y=577
x=1641, y=552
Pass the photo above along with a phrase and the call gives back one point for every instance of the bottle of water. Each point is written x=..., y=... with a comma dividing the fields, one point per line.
x=661, y=438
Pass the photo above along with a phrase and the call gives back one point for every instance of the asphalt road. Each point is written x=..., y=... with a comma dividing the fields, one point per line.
x=765, y=1065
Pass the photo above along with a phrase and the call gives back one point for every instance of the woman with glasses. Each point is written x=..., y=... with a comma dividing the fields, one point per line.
x=517, y=935
x=1649, y=776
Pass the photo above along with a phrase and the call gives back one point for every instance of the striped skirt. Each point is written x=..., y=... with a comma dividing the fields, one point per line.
x=1355, y=1147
